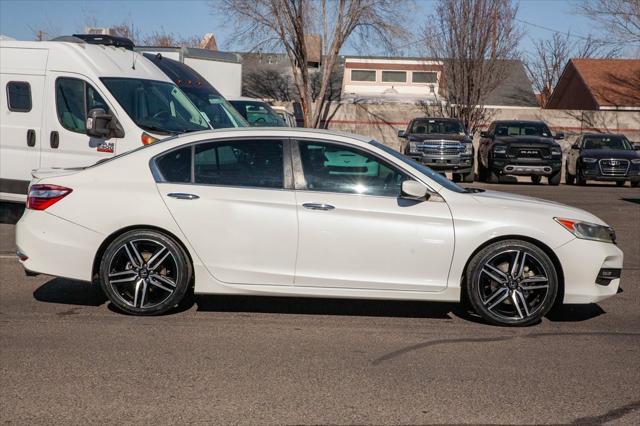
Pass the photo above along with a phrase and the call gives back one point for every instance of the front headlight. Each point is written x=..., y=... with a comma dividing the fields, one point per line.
x=500, y=149
x=468, y=149
x=589, y=160
x=636, y=161
x=555, y=150
x=588, y=231
x=413, y=146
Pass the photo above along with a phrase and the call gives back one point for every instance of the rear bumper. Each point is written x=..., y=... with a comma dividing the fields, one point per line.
x=55, y=246
x=583, y=262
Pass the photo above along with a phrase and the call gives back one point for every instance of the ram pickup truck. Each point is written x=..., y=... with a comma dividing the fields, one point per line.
x=524, y=148
x=442, y=144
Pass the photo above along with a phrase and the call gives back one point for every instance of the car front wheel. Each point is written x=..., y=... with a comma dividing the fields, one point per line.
x=511, y=283
x=145, y=272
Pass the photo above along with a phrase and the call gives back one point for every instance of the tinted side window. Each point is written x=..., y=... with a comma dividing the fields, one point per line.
x=336, y=168
x=255, y=163
x=73, y=99
x=19, y=96
x=175, y=166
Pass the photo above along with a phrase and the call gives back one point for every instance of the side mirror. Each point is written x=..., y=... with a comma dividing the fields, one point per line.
x=575, y=146
x=103, y=125
x=402, y=134
x=559, y=136
x=484, y=134
x=636, y=146
x=414, y=190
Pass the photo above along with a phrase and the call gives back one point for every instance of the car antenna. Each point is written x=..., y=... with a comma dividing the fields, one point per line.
x=133, y=65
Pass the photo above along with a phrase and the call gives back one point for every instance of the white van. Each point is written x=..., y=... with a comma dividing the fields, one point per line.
x=51, y=91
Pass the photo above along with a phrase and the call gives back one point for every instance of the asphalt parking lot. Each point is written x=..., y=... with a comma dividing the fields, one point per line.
x=66, y=357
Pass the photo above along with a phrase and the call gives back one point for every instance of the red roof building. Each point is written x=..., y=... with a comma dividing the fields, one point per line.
x=598, y=84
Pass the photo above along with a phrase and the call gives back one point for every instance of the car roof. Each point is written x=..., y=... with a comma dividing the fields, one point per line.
x=181, y=74
x=438, y=118
x=287, y=132
x=519, y=122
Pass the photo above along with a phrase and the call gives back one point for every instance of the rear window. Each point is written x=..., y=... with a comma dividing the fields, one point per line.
x=19, y=96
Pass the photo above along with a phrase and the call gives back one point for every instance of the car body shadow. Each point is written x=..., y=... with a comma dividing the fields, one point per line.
x=70, y=292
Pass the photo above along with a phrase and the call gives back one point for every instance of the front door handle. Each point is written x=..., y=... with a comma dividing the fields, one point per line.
x=54, y=140
x=183, y=196
x=31, y=137
x=318, y=206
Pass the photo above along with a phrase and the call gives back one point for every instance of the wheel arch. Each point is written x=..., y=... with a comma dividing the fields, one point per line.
x=98, y=256
x=542, y=246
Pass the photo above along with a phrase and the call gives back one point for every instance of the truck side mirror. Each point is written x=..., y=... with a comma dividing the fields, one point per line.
x=402, y=134
x=559, y=136
x=103, y=125
x=636, y=146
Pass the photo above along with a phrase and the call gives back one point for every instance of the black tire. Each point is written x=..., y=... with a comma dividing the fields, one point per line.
x=492, y=177
x=145, y=272
x=620, y=182
x=468, y=177
x=504, y=300
x=536, y=179
x=634, y=183
x=482, y=172
x=580, y=180
x=457, y=177
x=554, y=179
x=568, y=177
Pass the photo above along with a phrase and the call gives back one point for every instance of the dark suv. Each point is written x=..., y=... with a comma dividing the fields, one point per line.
x=525, y=148
x=603, y=156
x=442, y=144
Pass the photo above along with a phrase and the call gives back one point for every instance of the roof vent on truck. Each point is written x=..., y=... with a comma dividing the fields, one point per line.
x=105, y=40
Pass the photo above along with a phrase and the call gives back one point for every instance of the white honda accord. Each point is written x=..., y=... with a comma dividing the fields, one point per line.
x=294, y=212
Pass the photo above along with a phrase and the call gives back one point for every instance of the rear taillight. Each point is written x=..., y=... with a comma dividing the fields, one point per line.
x=43, y=196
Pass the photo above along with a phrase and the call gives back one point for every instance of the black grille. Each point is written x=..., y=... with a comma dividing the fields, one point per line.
x=614, y=167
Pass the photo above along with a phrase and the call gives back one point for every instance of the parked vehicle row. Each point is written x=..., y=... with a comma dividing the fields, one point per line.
x=308, y=213
x=78, y=100
x=520, y=148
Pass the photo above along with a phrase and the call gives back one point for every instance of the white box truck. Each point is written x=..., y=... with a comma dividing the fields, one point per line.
x=78, y=100
x=222, y=69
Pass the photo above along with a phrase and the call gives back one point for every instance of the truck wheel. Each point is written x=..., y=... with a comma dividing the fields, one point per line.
x=634, y=183
x=482, y=174
x=457, y=177
x=554, y=179
x=620, y=182
x=468, y=177
x=492, y=176
x=568, y=177
x=536, y=179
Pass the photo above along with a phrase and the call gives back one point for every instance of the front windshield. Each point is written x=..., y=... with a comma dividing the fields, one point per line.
x=607, y=142
x=437, y=177
x=156, y=106
x=522, y=129
x=258, y=114
x=436, y=126
x=220, y=113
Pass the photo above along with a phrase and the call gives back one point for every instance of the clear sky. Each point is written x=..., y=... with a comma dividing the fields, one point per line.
x=21, y=18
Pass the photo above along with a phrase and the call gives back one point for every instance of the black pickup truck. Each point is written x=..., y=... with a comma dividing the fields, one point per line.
x=442, y=144
x=515, y=147
x=603, y=156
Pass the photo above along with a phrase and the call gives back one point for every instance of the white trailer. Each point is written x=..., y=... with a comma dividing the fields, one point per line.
x=222, y=69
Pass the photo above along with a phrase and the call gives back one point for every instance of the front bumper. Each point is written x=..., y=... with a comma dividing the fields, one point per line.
x=583, y=262
x=55, y=246
x=594, y=171
x=514, y=166
x=455, y=163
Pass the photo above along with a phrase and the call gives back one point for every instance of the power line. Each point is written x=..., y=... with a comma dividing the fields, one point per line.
x=569, y=34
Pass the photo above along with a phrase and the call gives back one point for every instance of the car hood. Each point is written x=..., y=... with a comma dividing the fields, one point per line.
x=610, y=153
x=529, y=140
x=505, y=200
x=422, y=137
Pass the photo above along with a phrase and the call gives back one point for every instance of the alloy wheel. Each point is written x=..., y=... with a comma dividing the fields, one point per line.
x=513, y=285
x=143, y=273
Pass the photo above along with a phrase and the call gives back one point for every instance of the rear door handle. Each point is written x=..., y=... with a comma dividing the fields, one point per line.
x=318, y=206
x=31, y=137
x=183, y=196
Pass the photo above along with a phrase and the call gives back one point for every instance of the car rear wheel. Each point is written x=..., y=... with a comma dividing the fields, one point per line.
x=511, y=283
x=145, y=272
x=554, y=179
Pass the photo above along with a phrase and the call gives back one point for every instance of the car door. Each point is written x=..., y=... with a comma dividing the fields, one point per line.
x=19, y=130
x=65, y=143
x=234, y=204
x=354, y=230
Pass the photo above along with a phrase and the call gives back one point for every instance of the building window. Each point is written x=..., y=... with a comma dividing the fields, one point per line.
x=19, y=96
x=424, y=77
x=362, y=75
x=394, y=77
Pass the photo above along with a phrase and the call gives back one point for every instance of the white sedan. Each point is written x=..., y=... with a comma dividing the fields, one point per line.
x=267, y=212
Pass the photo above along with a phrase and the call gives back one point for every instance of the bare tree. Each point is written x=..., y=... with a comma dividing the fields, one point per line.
x=545, y=64
x=162, y=38
x=288, y=24
x=473, y=39
x=619, y=18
